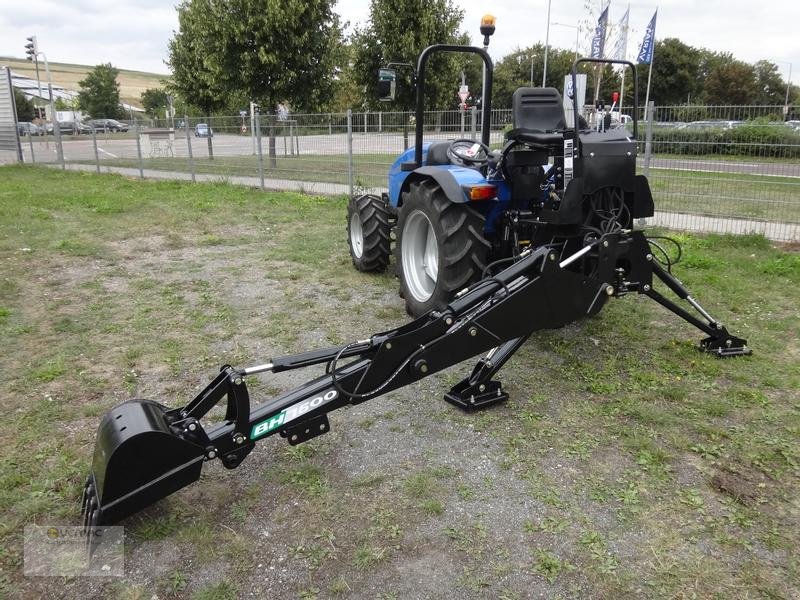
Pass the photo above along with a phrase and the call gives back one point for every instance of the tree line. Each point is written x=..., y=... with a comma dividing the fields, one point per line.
x=226, y=53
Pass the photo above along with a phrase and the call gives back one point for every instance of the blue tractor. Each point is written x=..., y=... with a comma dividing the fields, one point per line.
x=460, y=209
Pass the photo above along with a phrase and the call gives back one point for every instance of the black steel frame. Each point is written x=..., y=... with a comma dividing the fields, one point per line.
x=540, y=291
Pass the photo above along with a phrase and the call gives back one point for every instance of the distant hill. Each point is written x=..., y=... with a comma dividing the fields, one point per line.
x=131, y=83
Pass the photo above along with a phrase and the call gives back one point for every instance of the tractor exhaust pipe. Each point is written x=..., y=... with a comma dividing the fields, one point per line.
x=139, y=458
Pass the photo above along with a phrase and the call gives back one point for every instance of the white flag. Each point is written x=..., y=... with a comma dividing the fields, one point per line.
x=620, y=49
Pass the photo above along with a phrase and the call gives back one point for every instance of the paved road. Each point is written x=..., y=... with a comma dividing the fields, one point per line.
x=80, y=148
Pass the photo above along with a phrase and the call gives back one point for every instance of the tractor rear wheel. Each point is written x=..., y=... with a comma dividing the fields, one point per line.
x=368, y=229
x=440, y=247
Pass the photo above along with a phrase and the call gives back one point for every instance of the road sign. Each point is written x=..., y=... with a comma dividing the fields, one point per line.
x=463, y=93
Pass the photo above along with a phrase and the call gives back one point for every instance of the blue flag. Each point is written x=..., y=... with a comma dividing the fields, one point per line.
x=599, y=39
x=645, y=56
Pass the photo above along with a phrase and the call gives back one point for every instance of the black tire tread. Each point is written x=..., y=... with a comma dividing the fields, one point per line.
x=464, y=249
x=377, y=221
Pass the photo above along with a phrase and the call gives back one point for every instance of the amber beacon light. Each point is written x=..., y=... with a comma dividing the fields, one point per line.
x=487, y=28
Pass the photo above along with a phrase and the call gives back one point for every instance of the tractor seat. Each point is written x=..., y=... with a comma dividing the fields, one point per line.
x=437, y=154
x=538, y=113
x=537, y=138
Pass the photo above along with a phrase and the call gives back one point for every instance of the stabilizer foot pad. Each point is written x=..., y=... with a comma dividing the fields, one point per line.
x=725, y=345
x=470, y=397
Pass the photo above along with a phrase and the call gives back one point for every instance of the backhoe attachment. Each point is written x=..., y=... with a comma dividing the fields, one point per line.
x=146, y=451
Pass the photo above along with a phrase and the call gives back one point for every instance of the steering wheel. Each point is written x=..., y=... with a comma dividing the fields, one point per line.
x=469, y=152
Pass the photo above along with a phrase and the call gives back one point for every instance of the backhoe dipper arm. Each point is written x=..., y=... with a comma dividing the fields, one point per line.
x=146, y=451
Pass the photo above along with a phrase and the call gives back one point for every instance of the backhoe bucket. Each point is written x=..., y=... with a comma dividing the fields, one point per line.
x=137, y=460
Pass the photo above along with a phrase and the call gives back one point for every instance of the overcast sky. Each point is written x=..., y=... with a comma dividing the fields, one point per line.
x=133, y=34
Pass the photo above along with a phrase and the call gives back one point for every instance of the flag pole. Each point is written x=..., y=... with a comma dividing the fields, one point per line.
x=600, y=30
x=652, y=56
x=649, y=77
x=624, y=57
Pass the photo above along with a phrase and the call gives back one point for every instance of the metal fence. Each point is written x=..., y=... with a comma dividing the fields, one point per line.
x=715, y=174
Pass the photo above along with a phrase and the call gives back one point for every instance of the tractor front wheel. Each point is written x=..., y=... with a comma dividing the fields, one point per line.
x=440, y=248
x=368, y=229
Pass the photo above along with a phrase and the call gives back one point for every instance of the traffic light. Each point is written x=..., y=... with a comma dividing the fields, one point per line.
x=32, y=48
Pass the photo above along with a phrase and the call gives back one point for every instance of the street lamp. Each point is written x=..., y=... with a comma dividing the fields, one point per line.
x=33, y=52
x=577, y=29
x=546, y=43
x=788, y=87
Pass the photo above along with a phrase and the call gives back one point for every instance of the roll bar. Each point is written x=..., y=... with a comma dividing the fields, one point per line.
x=486, y=101
x=608, y=61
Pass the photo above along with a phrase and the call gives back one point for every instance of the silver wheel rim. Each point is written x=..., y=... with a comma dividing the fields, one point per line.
x=356, y=235
x=420, y=256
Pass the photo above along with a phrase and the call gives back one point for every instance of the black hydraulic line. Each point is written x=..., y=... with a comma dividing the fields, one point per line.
x=670, y=305
x=315, y=357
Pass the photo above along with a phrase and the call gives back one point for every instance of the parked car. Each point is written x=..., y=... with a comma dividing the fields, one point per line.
x=69, y=127
x=203, y=130
x=718, y=124
x=26, y=128
x=109, y=125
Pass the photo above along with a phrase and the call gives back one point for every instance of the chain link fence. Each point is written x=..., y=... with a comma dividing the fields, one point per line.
x=726, y=169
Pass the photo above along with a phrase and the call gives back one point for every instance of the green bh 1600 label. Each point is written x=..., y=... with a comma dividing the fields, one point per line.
x=290, y=414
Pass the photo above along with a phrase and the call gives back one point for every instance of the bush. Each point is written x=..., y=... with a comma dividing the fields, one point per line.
x=754, y=138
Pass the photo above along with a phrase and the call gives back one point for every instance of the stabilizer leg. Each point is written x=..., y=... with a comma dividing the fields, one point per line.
x=719, y=341
x=478, y=390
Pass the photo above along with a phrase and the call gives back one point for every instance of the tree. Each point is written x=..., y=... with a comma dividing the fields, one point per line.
x=730, y=81
x=155, y=101
x=676, y=76
x=770, y=84
x=227, y=52
x=99, y=93
x=514, y=71
x=398, y=31
x=346, y=91
x=25, y=108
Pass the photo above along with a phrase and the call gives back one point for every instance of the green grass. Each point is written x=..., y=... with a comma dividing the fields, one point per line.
x=371, y=169
x=625, y=459
x=692, y=192
x=727, y=194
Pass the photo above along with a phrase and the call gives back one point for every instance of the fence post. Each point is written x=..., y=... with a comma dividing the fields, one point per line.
x=260, y=150
x=189, y=146
x=648, y=144
x=474, y=119
x=59, y=146
x=30, y=141
x=350, y=150
x=208, y=139
x=253, y=125
x=94, y=143
x=139, y=153
x=366, y=114
x=380, y=122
